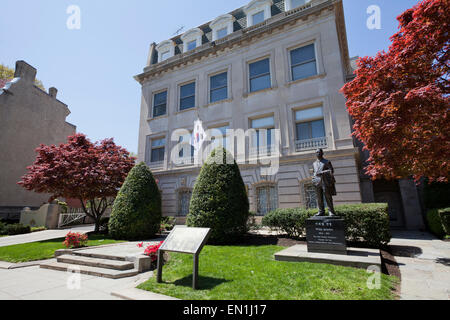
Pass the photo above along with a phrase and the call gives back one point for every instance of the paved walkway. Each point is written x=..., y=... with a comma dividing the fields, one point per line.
x=34, y=283
x=41, y=236
x=424, y=263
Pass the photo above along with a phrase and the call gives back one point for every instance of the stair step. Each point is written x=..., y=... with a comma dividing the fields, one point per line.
x=86, y=253
x=92, y=271
x=96, y=262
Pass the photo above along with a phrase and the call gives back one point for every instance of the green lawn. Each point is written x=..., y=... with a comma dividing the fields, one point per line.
x=251, y=273
x=44, y=249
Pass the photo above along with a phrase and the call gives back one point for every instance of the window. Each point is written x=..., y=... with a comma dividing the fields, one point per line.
x=192, y=45
x=310, y=196
x=303, y=62
x=159, y=104
x=258, y=17
x=292, y=4
x=184, y=200
x=222, y=33
x=165, y=55
x=187, y=96
x=158, y=150
x=185, y=142
x=263, y=139
x=219, y=87
x=267, y=199
x=260, y=75
x=310, y=124
x=214, y=141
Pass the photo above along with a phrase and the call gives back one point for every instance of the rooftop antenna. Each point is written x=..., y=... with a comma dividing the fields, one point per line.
x=178, y=31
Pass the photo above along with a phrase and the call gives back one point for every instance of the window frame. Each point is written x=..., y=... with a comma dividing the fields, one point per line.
x=150, y=155
x=180, y=98
x=250, y=78
x=152, y=115
x=309, y=121
x=210, y=89
x=276, y=204
x=292, y=66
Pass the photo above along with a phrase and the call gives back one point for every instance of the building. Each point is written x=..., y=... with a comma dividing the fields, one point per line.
x=29, y=117
x=273, y=64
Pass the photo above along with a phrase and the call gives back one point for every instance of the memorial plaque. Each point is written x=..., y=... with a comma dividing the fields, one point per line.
x=184, y=240
x=326, y=235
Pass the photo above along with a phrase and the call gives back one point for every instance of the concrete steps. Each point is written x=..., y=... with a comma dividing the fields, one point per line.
x=95, y=262
x=90, y=270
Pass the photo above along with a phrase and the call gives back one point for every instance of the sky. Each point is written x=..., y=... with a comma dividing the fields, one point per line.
x=93, y=66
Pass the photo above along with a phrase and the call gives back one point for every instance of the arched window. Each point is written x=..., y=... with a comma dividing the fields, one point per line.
x=266, y=198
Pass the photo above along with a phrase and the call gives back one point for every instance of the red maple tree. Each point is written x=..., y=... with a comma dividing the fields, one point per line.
x=80, y=169
x=399, y=99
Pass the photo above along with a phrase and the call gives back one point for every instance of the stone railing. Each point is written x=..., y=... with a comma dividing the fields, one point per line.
x=302, y=145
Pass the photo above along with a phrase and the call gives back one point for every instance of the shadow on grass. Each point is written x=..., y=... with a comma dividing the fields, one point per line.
x=204, y=283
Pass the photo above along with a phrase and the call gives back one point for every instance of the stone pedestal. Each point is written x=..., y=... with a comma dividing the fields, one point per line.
x=326, y=235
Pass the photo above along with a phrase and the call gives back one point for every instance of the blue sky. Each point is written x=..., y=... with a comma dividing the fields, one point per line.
x=93, y=67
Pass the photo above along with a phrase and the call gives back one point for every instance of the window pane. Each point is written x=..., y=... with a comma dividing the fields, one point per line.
x=260, y=83
x=258, y=17
x=318, y=129
x=304, y=70
x=309, y=114
x=192, y=45
x=158, y=155
x=219, y=94
x=259, y=67
x=165, y=55
x=297, y=3
x=263, y=122
x=222, y=33
x=303, y=132
x=159, y=110
x=303, y=54
x=158, y=143
x=187, y=90
x=219, y=81
x=187, y=103
x=160, y=98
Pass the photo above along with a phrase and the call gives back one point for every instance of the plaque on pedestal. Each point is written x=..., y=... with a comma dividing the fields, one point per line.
x=326, y=235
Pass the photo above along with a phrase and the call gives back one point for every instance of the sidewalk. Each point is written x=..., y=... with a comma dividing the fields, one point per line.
x=424, y=263
x=42, y=235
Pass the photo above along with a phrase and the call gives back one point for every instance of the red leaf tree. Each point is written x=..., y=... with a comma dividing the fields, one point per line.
x=80, y=169
x=399, y=99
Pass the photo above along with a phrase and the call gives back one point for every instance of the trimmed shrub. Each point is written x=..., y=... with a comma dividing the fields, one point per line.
x=219, y=200
x=444, y=214
x=2, y=229
x=136, y=213
x=15, y=229
x=364, y=222
x=435, y=224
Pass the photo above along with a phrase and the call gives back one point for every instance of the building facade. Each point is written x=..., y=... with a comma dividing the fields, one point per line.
x=29, y=117
x=270, y=65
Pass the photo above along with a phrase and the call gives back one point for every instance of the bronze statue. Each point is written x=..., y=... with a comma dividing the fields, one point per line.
x=325, y=183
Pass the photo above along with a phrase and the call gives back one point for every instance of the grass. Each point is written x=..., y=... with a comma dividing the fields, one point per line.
x=42, y=250
x=251, y=273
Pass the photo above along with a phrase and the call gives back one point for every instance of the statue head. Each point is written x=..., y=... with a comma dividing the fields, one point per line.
x=319, y=154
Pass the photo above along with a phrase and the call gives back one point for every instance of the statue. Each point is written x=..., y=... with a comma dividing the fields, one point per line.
x=324, y=183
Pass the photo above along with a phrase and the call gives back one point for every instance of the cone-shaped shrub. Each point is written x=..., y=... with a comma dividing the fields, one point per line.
x=136, y=213
x=219, y=200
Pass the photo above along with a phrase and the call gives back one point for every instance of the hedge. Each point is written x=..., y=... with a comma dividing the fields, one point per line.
x=364, y=222
x=136, y=213
x=13, y=229
x=435, y=223
x=444, y=214
x=219, y=200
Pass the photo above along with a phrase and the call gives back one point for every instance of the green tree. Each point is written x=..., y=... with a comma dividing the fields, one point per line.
x=8, y=74
x=219, y=200
x=136, y=213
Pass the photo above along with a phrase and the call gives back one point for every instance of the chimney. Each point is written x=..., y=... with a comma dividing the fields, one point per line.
x=24, y=71
x=53, y=92
x=151, y=54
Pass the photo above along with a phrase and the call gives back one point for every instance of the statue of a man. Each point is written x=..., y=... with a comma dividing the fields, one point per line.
x=325, y=183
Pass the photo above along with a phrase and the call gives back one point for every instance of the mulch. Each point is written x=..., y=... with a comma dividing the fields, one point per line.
x=389, y=264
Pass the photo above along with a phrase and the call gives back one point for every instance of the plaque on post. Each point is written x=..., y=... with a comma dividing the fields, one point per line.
x=184, y=240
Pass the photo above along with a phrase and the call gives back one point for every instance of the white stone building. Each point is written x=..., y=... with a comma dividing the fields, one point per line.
x=273, y=64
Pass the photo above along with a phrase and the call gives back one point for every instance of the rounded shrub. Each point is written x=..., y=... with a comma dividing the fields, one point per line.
x=444, y=214
x=219, y=200
x=136, y=213
x=435, y=223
